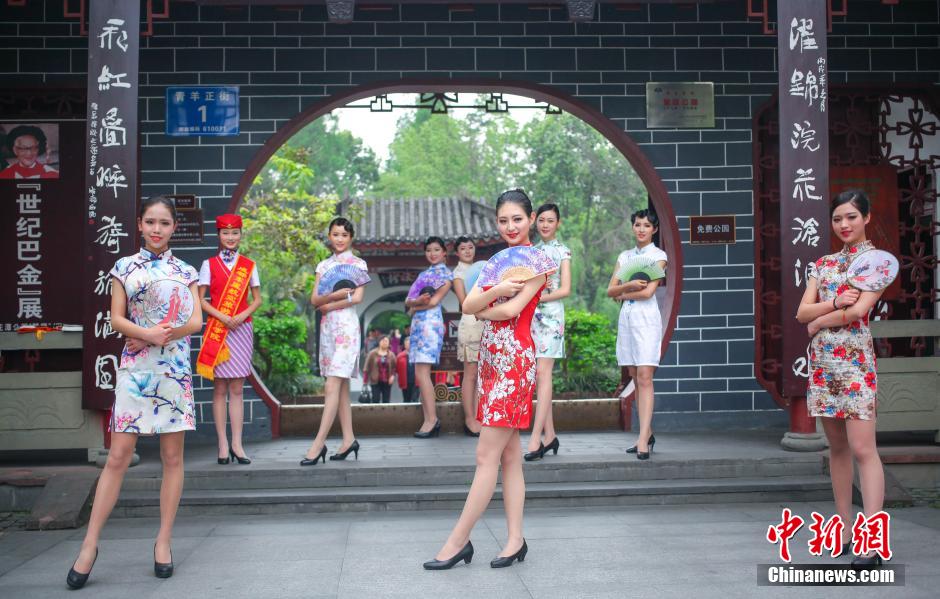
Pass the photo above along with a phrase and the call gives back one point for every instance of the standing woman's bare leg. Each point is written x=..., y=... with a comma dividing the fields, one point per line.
x=331, y=391
x=492, y=443
x=220, y=389
x=543, y=406
x=871, y=475
x=513, y=494
x=423, y=378
x=840, y=471
x=171, y=488
x=644, y=395
x=106, y=495
x=345, y=416
x=468, y=396
x=236, y=413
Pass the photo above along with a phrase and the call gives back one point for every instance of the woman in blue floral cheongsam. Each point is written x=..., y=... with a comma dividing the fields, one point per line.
x=427, y=334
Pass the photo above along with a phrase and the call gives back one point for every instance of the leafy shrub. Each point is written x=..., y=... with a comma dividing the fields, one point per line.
x=591, y=364
x=280, y=357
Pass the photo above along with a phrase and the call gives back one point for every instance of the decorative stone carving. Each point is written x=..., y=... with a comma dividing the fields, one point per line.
x=340, y=11
x=581, y=10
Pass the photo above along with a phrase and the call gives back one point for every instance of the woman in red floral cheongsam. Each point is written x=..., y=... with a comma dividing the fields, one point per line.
x=843, y=381
x=506, y=380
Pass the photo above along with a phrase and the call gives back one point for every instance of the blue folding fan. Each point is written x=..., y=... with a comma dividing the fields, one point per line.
x=428, y=282
x=521, y=262
x=472, y=273
x=342, y=276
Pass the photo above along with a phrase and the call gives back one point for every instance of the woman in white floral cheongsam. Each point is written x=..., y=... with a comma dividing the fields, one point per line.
x=154, y=391
x=843, y=382
x=339, y=345
x=548, y=330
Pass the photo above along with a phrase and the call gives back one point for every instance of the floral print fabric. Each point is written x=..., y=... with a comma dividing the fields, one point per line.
x=339, y=330
x=843, y=382
x=427, y=327
x=154, y=390
x=506, y=376
x=548, y=326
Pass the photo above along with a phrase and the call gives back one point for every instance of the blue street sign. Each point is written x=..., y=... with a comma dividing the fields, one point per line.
x=201, y=110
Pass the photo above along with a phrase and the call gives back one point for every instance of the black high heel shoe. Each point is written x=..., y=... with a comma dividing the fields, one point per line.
x=465, y=554
x=468, y=432
x=162, y=570
x=236, y=458
x=535, y=455
x=308, y=462
x=341, y=455
x=867, y=563
x=77, y=580
x=553, y=447
x=224, y=460
x=434, y=432
x=652, y=442
x=505, y=562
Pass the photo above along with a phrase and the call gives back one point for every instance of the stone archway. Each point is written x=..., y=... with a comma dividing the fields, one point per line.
x=659, y=196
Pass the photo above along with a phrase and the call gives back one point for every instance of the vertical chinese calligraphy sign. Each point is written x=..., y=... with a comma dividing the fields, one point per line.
x=110, y=184
x=804, y=168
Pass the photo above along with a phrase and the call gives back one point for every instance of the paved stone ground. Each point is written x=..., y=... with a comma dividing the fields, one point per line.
x=459, y=449
x=653, y=551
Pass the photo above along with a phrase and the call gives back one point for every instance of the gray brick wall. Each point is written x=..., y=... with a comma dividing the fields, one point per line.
x=285, y=59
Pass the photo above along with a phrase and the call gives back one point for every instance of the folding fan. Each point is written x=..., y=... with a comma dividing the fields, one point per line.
x=342, y=276
x=640, y=268
x=428, y=282
x=472, y=273
x=167, y=301
x=872, y=270
x=521, y=262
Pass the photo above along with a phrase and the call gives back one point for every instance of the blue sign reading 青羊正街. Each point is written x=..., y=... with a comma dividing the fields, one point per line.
x=201, y=110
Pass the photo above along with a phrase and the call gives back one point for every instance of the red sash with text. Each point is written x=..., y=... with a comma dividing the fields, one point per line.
x=230, y=301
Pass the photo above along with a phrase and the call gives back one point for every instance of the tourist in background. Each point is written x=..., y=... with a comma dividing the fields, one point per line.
x=379, y=371
x=218, y=276
x=548, y=330
x=427, y=334
x=640, y=327
x=507, y=379
x=406, y=373
x=154, y=389
x=843, y=383
x=339, y=345
x=469, y=332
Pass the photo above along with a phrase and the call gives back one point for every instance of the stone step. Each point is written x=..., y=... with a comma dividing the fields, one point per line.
x=550, y=470
x=451, y=497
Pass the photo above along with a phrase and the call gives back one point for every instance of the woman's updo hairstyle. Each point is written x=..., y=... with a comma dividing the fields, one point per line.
x=856, y=197
x=153, y=201
x=647, y=214
x=515, y=196
x=435, y=239
x=345, y=223
x=549, y=207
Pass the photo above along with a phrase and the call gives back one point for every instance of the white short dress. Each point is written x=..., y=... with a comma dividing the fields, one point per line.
x=339, y=330
x=548, y=325
x=640, y=327
x=154, y=390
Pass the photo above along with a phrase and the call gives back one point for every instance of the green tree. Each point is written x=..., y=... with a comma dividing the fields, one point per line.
x=431, y=156
x=341, y=164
